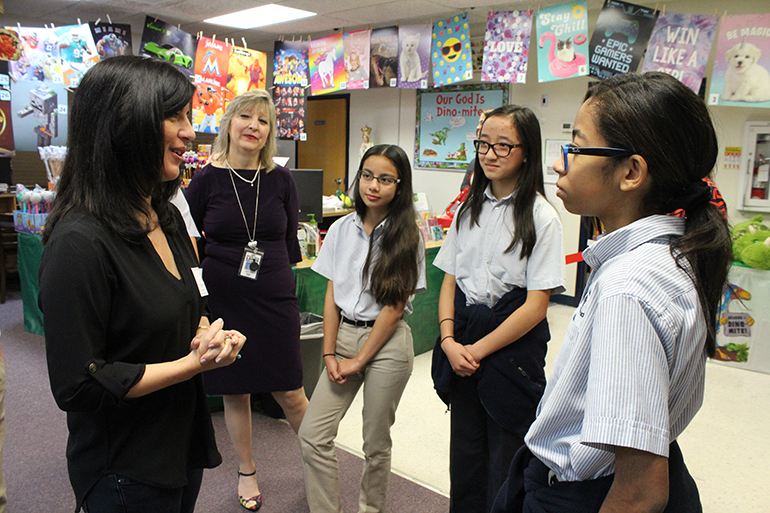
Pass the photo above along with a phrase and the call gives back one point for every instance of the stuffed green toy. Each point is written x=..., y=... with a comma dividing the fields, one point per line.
x=757, y=255
x=750, y=226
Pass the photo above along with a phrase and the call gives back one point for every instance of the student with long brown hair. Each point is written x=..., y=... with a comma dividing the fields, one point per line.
x=374, y=261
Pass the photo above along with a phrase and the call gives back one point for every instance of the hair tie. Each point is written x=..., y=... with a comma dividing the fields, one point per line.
x=693, y=196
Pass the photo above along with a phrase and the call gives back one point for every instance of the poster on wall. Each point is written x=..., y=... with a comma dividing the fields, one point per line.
x=451, y=51
x=6, y=118
x=39, y=112
x=620, y=38
x=506, y=46
x=356, y=45
x=161, y=40
x=563, y=33
x=246, y=70
x=211, y=70
x=111, y=39
x=290, y=78
x=446, y=123
x=10, y=45
x=77, y=52
x=383, y=67
x=39, y=59
x=414, y=56
x=741, y=72
x=680, y=46
x=327, y=65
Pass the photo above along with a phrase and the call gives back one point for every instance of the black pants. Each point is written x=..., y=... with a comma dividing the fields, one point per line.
x=480, y=451
x=528, y=490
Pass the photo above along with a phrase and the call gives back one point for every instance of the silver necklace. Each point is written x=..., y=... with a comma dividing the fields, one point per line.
x=252, y=237
x=250, y=182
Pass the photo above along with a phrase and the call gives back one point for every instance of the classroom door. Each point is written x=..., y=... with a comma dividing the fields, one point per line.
x=326, y=147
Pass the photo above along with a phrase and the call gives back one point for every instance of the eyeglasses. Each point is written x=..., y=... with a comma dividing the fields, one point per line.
x=387, y=181
x=596, y=152
x=500, y=149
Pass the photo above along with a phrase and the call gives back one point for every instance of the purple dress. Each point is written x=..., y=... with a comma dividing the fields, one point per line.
x=265, y=310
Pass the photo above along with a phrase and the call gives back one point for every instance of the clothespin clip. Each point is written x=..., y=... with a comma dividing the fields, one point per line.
x=244, y=43
x=214, y=37
x=292, y=38
x=156, y=19
x=79, y=22
x=109, y=19
x=46, y=25
x=177, y=26
x=664, y=9
x=97, y=21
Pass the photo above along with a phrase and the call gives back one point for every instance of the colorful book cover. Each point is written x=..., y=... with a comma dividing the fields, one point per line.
x=680, y=46
x=246, y=71
x=39, y=112
x=740, y=76
x=290, y=63
x=39, y=59
x=111, y=39
x=383, y=69
x=161, y=40
x=6, y=118
x=414, y=56
x=327, y=65
x=10, y=45
x=211, y=65
x=451, y=46
x=562, y=32
x=506, y=46
x=356, y=46
x=620, y=38
x=290, y=111
x=77, y=52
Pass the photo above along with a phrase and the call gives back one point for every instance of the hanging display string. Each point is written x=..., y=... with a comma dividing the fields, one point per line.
x=250, y=182
x=252, y=238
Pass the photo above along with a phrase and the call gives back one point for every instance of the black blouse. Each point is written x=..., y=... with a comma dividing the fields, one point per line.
x=110, y=307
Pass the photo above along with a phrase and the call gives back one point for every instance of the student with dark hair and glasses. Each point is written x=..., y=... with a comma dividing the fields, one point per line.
x=502, y=261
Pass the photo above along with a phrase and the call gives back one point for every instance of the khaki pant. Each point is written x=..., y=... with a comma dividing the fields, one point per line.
x=384, y=380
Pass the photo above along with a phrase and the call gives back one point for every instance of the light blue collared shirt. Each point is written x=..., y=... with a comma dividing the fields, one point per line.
x=341, y=260
x=631, y=370
x=475, y=255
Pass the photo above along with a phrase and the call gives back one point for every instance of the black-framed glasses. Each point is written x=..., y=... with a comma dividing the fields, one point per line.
x=500, y=149
x=387, y=181
x=595, y=152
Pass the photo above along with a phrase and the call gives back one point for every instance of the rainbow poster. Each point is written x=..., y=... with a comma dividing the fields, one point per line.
x=327, y=65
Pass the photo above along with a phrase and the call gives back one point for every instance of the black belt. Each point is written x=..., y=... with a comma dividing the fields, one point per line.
x=359, y=324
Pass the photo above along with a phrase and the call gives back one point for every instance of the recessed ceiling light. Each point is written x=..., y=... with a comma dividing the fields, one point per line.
x=269, y=14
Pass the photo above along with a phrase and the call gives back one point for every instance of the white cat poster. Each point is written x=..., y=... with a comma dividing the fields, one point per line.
x=506, y=46
x=356, y=45
x=741, y=73
x=414, y=56
x=562, y=50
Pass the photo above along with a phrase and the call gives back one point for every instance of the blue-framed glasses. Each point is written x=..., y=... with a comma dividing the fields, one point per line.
x=595, y=152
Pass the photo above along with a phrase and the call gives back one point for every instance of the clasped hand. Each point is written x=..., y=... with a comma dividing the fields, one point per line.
x=217, y=347
x=460, y=358
x=339, y=371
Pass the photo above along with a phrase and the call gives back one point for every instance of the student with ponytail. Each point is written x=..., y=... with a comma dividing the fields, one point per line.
x=630, y=374
x=374, y=261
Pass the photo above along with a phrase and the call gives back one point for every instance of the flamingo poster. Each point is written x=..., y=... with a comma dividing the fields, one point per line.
x=562, y=32
x=327, y=65
x=506, y=46
x=680, y=46
x=620, y=38
x=356, y=46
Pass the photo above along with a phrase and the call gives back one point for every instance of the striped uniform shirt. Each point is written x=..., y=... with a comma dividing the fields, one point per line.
x=631, y=369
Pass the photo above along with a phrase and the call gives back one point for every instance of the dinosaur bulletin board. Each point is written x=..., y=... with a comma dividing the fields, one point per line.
x=446, y=123
x=743, y=320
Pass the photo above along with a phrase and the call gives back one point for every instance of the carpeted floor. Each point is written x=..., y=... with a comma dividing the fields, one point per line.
x=36, y=434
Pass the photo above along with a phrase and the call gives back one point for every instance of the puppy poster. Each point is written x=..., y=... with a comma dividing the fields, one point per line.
x=451, y=51
x=356, y=45
x=414, y=56
x=327, y=65
x=506, y=46
x=620, y=38
x=563, y=41
x=680, y=46
x=740, y=74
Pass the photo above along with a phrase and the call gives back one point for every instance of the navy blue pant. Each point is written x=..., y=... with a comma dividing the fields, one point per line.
x=480, y=451
x=527, y=489
x=118, y=494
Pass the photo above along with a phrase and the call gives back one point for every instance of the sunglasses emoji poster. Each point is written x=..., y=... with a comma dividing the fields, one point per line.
x=451, y=51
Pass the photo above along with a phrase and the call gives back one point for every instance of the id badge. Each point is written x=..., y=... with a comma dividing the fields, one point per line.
x=250, y=263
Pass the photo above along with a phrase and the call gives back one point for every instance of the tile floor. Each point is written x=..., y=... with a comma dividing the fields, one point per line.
x=726, y=447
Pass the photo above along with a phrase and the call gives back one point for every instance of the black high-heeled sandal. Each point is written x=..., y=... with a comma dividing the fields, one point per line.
x=251, y=503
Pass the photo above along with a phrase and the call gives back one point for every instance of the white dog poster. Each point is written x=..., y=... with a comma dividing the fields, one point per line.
x=741, y=76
